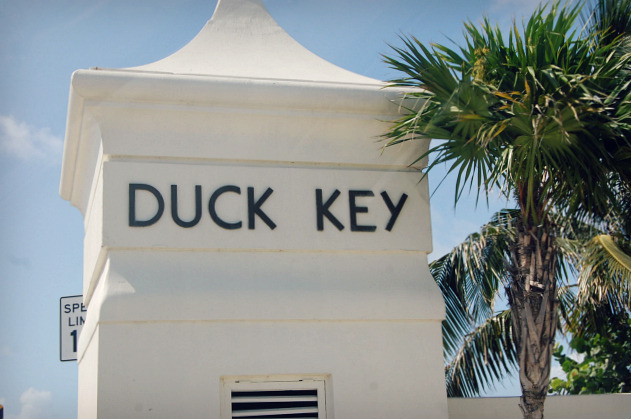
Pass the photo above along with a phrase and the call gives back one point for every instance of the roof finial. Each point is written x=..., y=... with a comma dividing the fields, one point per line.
x=243, y=40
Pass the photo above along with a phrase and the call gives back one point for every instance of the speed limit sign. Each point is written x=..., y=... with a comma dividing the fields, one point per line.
x=71, y=319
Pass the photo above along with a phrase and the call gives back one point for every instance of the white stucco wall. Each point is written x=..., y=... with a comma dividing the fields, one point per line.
x=180, y=377
x=172, y=310
x=609, y=406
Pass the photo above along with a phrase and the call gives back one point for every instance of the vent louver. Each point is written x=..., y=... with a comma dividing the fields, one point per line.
x=275, y=404
x=274, y=397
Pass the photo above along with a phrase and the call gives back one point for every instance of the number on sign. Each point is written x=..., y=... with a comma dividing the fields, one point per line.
x=74, y=340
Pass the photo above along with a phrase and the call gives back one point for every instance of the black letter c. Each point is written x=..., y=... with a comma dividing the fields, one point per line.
x=213, y=212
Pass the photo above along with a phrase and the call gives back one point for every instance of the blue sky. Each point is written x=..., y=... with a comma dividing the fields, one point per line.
x=41, y=235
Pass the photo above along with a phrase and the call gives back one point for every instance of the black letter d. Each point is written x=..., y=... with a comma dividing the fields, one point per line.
x=133, y=187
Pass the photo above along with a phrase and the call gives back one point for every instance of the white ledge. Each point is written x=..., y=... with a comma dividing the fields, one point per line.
x=151, y=88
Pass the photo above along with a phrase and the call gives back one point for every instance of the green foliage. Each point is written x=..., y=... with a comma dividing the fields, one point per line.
x=610, y=19
x=606, y=366
x=477, y=342
x=543, y=115
x=599, y=254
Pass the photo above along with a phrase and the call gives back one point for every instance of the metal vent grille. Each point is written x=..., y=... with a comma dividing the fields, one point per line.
x=275, y=404
x=274, y=397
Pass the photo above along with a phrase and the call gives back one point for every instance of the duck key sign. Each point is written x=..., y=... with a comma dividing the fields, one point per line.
x=213, y=207
x=254, y=208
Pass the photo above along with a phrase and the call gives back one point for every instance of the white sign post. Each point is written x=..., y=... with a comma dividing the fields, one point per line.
x=71, y=319
x=242, y=225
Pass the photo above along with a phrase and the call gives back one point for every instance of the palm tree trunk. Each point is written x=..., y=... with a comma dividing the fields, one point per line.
x=532, y=298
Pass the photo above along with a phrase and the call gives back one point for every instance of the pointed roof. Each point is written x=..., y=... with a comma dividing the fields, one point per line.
x=243, y=40
x=245, y=60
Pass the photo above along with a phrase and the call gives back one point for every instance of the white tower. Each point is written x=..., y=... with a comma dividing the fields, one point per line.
x=249, y=250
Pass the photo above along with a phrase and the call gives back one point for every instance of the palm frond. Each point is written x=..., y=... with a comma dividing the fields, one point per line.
x=605, y=271
x=486, y=355
x=567, y=303
x=542, y=115
x=610, y=19
x=471, y=275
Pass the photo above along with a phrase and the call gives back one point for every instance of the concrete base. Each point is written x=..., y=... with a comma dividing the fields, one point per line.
x=164, y=326
x=168, y=370
x=609, y=406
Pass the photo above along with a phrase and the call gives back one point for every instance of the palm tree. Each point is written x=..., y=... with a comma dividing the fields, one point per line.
x=478, y=343
x=543, y=118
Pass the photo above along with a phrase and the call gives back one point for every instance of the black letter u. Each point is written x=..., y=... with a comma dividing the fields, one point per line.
x=198, y=207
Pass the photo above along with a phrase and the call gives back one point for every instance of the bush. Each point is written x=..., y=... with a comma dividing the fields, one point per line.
x=606, y=366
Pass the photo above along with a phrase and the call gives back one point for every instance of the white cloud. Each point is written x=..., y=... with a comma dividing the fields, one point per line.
x=26, y=142
x=35, y=405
